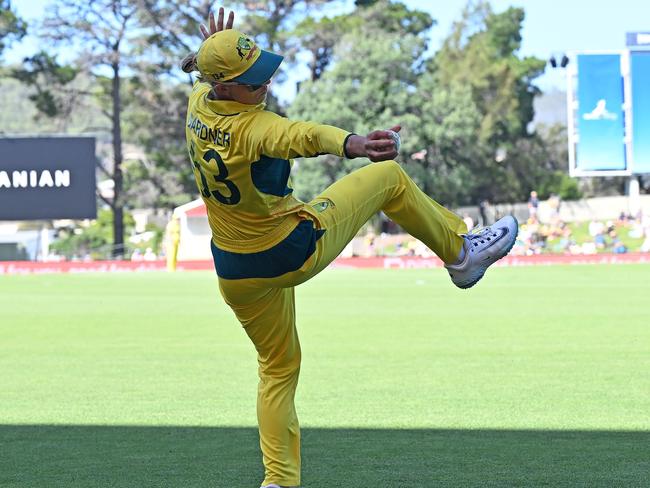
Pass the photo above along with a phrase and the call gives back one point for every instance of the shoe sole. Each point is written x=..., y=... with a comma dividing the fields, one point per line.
x=502, y=255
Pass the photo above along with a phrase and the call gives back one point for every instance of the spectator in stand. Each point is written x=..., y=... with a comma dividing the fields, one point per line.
x=645, y=223
x=637, y=231
x=618, y=247
x=369, y=244
x=645, y=247
x=533, y=205
x=596, y=228
x=554, y=205
x=149, y=255
x=531, y=239
x=566, y=240
x=600, y=241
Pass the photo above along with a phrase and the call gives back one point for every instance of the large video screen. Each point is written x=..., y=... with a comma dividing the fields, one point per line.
x=600, y=115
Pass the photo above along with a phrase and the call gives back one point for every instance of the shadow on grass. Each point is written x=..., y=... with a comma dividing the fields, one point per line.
x=122, y=456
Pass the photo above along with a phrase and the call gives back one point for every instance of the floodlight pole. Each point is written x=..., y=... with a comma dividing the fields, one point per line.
x=560, y=60
x=634, y=195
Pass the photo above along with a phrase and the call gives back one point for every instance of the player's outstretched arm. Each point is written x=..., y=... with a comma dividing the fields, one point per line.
x=378, y=145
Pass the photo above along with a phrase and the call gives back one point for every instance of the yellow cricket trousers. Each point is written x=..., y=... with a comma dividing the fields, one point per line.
x=266, y=307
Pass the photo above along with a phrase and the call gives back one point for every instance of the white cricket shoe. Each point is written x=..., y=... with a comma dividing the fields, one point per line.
x=482, y=249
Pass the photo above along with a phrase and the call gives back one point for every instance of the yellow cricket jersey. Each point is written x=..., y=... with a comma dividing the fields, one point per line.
x=241, y=157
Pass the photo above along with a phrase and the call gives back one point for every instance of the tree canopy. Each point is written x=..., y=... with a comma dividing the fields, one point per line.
x=12, y=27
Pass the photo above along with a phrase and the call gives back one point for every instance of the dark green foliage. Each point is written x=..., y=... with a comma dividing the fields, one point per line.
x=320, y=36
x=95, y=240
x=370, y=85
x=12, y=27
x=465, y=112
x=480, y=57
x=51, y=82
x=159, y=174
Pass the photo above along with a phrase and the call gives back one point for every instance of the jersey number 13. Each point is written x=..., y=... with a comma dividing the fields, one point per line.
x=221, y=177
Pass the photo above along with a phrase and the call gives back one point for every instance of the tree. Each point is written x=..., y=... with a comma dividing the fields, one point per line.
x=158, y=174
x=55, y=95
x=481, y=54
x=320, y=36
x=272, y=21
x=368, y=85
x=105, y=30
x=548, y=151
x=174, y=28
x=445, y=141
x=12, y=27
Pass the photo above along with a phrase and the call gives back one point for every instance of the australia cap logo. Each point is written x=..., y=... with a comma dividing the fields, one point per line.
x=245, y=48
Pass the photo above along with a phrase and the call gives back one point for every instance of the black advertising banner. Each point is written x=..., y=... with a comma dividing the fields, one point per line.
x=45, y=178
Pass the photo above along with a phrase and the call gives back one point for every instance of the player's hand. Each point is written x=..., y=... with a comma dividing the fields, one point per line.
x=218, y=26
x=380, y=144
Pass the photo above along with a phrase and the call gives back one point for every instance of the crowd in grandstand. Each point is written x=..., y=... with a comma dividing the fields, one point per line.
x=559, y=237
x=625, y=234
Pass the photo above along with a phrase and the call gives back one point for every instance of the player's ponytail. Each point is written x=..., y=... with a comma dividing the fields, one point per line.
x=189, y=63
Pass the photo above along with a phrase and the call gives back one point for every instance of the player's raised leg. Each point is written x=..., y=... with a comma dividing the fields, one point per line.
x=386, y=186
x=355, y=198
x=348, y=204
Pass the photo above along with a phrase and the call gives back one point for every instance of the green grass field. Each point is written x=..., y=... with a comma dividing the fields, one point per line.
x=539, y=376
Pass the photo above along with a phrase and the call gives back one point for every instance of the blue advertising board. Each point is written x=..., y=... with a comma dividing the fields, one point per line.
x=600, y=116
x=640, y=98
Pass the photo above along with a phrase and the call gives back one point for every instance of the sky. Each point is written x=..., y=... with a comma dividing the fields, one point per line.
x=551, y=27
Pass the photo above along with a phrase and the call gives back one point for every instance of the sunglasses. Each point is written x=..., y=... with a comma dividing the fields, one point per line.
x=253, y=87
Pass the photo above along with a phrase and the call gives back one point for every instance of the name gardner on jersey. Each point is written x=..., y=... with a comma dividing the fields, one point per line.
x=205, y=133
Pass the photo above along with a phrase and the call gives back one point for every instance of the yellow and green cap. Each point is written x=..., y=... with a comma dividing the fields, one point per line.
x=230, y=55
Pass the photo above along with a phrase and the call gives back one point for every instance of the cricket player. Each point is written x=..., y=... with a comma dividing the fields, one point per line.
x=265, y=241
x=173, y=240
